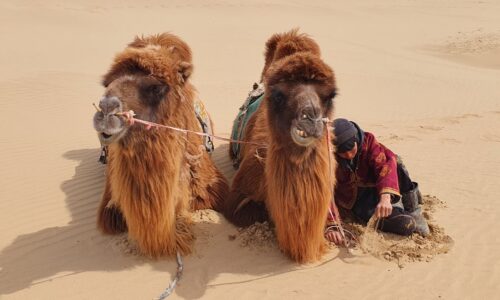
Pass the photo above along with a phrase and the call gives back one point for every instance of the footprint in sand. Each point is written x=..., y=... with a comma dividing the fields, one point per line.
x=458, y=119
x=431, y=127
x=490, y=137
x=395, y=137
x=451, y=141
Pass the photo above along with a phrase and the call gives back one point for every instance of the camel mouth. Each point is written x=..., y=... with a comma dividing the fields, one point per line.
x=301, y=137
x=111, y=135
x=106, y=136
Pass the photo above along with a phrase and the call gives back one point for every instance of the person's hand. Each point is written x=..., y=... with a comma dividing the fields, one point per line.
x=334, y=236
x=384, y=206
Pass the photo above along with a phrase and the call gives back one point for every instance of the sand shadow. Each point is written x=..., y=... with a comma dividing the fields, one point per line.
x=78, y=247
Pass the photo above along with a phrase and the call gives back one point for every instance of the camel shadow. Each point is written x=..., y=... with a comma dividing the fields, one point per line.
x=78, y=247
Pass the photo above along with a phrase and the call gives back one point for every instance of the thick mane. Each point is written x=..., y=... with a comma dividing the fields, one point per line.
x=156, y=177
x=163, y=56
x=284, y=44
x=298, y=184
x=290, y=183
x=165, y=40
x=298, y=196
x=299, y=67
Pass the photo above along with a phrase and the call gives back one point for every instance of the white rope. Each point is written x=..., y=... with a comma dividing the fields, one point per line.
x=170, y=289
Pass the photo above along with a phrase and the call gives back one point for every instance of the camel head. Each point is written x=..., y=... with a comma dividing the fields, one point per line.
x=145, y=95
x=300, y=89
x=148, y=77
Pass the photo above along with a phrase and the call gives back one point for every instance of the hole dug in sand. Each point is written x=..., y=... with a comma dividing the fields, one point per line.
x=406, y=249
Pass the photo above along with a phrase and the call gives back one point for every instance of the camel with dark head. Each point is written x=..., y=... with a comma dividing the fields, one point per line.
x=289, y=180
x=156, y=177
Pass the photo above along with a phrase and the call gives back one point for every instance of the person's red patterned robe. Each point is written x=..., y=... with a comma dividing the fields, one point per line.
x=376, y=167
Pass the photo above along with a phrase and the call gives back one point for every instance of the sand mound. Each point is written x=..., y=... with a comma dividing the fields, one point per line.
x=205, y=216
x=478, y=48
x=407, y=249
x=476, y=41
x=259, y=236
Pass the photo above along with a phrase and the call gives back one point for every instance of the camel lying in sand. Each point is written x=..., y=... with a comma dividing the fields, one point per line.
x=154, y=177
x=289, y=181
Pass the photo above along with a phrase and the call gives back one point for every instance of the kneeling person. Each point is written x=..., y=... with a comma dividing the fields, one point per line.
x=371, y=179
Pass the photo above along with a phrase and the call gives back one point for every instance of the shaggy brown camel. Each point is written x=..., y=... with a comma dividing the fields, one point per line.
x=290, y=179
x=155, y=178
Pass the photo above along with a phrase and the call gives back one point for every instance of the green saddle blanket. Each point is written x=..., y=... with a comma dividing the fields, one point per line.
x=246, y=111
x=205, y=124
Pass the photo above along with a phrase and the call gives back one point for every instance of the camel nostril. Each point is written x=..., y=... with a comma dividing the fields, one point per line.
x=109, y=104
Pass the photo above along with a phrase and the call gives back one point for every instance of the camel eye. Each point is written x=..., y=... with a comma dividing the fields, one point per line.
x=277, y=98
x=329, y=99
x=332, y=95
x=152, y=94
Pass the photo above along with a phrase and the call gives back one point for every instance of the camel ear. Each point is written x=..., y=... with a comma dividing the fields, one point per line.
x=185, y=69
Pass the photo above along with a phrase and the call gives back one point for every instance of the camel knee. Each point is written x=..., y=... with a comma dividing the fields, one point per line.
x=218, y=192
x=184, y=235
x=243, y=211
x=111, y=221
x=163, y=237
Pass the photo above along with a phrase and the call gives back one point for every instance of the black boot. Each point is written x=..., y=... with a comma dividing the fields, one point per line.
x=411, y=202
x=404, y=180
x=398, y=222
x=419, y=195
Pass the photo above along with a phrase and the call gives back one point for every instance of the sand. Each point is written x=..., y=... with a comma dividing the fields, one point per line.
x=422, y=75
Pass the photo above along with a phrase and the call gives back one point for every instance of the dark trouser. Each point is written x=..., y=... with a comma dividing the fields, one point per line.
x=404, y=180
x=366, y=203
x=368, y=198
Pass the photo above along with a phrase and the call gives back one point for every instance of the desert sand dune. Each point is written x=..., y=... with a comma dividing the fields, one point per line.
x=422, y=75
